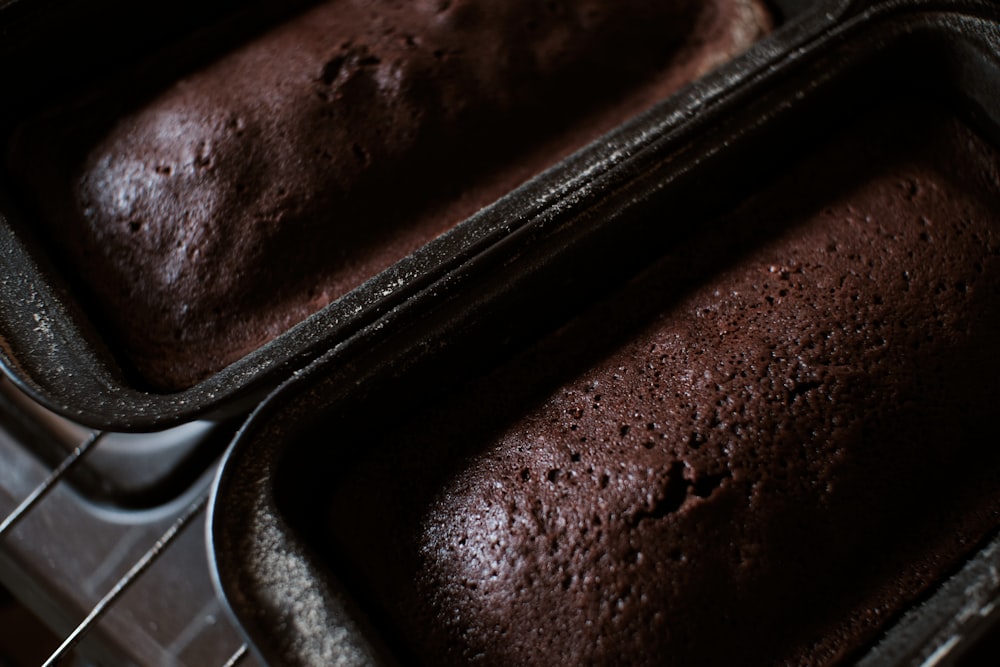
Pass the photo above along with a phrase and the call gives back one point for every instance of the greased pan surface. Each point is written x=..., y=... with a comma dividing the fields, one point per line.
x=56, y=351
x=268, y=524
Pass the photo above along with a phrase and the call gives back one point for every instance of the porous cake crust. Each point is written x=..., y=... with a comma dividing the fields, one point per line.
x=759, y=453
x=252, y=193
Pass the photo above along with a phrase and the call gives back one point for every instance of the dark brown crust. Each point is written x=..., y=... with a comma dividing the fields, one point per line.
x=795, y=439
x=252, y=193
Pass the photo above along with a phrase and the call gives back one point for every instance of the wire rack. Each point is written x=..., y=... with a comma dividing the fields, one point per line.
x=121, y=586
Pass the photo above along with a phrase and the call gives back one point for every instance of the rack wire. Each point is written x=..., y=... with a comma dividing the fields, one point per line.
x=31, y=508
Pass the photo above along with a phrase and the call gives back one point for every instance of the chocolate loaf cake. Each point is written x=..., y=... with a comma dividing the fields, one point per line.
x=252, y=193
x=759, y=452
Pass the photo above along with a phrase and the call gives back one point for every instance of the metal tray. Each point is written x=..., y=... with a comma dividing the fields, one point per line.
x=269, y=567
x=53, y=349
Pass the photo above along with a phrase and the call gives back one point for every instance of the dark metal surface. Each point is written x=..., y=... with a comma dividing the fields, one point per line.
x=794, y=86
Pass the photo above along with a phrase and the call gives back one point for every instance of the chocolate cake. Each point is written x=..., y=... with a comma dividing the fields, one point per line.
x=758, y=452
x=253, y=192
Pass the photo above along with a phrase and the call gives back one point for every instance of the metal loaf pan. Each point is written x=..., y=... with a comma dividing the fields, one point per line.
x=53, y=348
x=265, y=528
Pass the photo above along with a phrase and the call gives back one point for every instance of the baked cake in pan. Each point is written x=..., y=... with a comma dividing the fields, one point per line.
x=250, y=194
x=759, y=452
